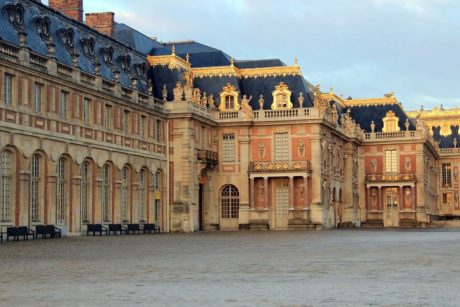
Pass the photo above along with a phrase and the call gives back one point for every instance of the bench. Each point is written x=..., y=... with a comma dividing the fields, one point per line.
x=95, y=228
x=151, y=228
x=116, y=228
x=21, y=231
x=45, y=230
x=133, y=228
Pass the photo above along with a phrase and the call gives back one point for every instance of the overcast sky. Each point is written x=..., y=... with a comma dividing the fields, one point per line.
x=361, y=48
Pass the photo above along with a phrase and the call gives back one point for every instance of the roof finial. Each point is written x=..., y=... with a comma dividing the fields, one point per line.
x=173, y=50
x=296, y=61
x=187, y=57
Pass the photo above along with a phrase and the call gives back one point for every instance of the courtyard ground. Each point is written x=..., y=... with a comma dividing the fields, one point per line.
x=314, y=268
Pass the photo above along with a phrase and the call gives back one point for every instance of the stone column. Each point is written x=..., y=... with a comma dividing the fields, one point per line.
x=401, y=198
x=265, y=192
x=305, y=192
x=368, y=198
x=291, y=192
x=379, y=199
x=251, y=191
x=414, y=199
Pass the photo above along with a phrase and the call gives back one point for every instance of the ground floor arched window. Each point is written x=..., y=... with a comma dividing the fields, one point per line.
x=6, y=185
x=230, y=202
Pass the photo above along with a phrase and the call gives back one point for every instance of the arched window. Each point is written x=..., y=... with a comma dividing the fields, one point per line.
x=62, y=197
x=230, y=202
x=229, y=98
x=35, y=182
x=84, y=189
x=6, y=185
x=141, y=195
x=124, y=194
x=106, y=192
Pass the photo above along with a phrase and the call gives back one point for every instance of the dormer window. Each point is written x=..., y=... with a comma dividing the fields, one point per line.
x=15, y=14
x=67, y=36
x=141, y=70
x=88, y=44
x=125, y=62
x=281, y=97
x=390, y=122
x=107, y=54
x=229, y=98
x=43, y=26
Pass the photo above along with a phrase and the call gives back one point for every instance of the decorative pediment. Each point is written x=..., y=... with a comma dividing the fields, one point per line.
x=229, y=98
x=15, y=13
x=281, y=97
x=89, y=45
x=107, y=55
x=67, y=35
x=125, y=62
x=43, y=24
x=390, y=122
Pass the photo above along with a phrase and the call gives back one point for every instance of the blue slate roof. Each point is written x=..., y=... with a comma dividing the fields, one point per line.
x=364, y=115
x=200, y=55
x=447, y=141
x=135, y=39
x=63, y=55
x=259, y=63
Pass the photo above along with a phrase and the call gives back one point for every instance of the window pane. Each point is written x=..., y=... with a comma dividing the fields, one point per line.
x=228, y=148
x=281, y=147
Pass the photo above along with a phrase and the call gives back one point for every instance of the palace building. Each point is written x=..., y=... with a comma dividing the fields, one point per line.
x=101, y=124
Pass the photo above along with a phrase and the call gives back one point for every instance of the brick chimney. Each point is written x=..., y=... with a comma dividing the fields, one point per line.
x=71, y=8
x=102, y=22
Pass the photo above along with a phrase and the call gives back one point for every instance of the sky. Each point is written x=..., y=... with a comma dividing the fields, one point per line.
x=360, y=48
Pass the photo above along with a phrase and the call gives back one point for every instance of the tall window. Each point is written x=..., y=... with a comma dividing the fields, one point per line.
x=126, y=121
x=62, y=190
x=86, y=111
x=35, y=188
x=108, y=114
x=391, y=161
x=158, y=131
x=141, y=196
x=230, y=202
x=106, y=192
x=228, y=147
x=5, y=189
x=124, y=194
x=157, y=181
x=281, y=147
x=8, y=89
x=142, y=126
x=84, y=189
x=37, y=97
x=446, y=172
x=229, y=102
x=157, y=186
x=63, y=105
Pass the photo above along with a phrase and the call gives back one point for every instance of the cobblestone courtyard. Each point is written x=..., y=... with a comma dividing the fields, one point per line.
x=316, y=268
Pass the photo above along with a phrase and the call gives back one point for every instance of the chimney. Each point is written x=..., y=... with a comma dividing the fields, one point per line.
x=71, y=8
x=102, y=22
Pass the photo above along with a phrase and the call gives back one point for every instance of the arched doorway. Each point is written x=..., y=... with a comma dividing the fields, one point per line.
x=229, y=207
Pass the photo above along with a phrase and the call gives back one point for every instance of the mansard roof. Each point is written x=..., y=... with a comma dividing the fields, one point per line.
x=61, y=24
x=364, y=111
x=200, y=55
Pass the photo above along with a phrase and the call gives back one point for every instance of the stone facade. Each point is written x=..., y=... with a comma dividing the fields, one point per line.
x=90, y=134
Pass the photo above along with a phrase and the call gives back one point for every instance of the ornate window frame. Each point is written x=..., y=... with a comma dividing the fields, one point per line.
x=390, y=122
x=229, y=92
x=281, y=97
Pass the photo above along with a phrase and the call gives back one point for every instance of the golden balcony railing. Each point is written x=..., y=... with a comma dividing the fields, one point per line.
x=207, y=156
x=390, y=178
x=279, y=166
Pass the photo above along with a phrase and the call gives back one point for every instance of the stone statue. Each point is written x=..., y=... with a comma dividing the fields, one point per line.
x=407, y=124
x=164, y=92
x=261, y=102
x=178, y=91
x=196, y=95
x=204, y=100
x=372, y=126
x=301, y=100
x=212, y=105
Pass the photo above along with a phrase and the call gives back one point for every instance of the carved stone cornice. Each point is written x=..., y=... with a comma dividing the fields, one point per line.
x=370, y=101
x=172, y=61
x=212, y=72
x=233, y=71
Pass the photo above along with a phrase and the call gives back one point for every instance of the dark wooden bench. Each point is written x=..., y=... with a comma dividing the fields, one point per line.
x=115, y=228
x=133, y=228
x=54, y=231
x=21, y=231
x=47, y=230
x=95, y=228
x=151, y=228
